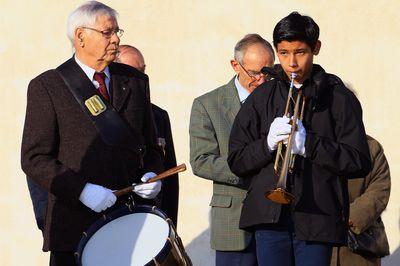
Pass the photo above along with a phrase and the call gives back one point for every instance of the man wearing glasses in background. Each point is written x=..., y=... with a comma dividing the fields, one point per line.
x=68, y=148
x=211, y=120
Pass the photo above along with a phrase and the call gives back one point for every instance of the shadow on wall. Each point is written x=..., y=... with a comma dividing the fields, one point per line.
x=201, y=254
x=199, y=250
x=393, y=259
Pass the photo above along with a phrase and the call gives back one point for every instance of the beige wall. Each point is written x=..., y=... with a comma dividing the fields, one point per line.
x=187, y=46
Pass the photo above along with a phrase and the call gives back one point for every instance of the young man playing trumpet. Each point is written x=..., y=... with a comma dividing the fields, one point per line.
x=298, y=223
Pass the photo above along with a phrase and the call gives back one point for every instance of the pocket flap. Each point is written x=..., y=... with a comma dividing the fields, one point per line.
x=221, y=201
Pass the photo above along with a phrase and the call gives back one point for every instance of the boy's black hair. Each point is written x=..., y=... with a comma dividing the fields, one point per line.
x=296, y=27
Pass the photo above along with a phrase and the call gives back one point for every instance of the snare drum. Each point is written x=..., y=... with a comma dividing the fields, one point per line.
x=138, y=235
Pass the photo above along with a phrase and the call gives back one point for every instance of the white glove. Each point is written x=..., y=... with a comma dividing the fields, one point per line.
x=150, y=190
x=96, y=197
x=299, y=139
x=278, y=131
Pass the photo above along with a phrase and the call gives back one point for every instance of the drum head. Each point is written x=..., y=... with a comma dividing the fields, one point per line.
x=131, y=239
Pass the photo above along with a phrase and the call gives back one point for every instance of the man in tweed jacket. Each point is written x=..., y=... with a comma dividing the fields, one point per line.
x=211, y=120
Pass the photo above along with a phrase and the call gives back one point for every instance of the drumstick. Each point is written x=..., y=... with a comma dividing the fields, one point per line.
x=172, y=171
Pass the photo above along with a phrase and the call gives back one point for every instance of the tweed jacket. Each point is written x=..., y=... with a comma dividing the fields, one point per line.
x=62, y=150
x=211, y=120
x=169, y=195
x=368, y=199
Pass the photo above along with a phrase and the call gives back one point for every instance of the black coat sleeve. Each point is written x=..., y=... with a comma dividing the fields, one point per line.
x=248, y=150
x=348, y=154
x=39, y=147
x=153, y=155
x=170, y=195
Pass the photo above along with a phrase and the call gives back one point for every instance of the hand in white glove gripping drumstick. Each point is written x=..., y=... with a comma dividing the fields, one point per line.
x=148, y=190
x=97, y=198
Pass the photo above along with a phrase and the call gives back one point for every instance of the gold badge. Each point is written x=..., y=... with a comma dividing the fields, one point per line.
x=95, y=105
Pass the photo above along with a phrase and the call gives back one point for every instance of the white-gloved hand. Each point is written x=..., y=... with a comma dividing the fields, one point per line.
x=278, y=131
x=97, y=198
x=299, y=140
x=150, y=190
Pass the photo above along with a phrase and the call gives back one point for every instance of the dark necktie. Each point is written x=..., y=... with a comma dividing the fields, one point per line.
x=100, y=78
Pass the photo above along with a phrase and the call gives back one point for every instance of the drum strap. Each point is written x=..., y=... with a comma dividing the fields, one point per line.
x=113, y=130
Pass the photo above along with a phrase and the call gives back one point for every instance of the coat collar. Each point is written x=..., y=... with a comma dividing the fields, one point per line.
x=87, y=88
x=314, y=87
x=120, y=88
x=230, y=100
x=119, y=83
x=317, y=75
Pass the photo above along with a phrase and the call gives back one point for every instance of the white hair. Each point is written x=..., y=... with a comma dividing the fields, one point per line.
x=86, y=16
x=248, y=40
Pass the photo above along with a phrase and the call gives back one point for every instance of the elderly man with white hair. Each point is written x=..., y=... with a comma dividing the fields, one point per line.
x=88, y=131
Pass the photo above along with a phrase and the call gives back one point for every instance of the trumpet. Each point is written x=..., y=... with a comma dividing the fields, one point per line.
x=284, y=160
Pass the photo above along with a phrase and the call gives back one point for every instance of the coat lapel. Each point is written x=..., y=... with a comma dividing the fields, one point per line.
x=86, y=88
x=230, y=101
x=119, y=87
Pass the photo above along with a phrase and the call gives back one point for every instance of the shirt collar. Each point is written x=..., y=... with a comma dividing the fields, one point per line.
x=242, y=92
x=90, y=71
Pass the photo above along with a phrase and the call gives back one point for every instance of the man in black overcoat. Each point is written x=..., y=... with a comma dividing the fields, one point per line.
x=62, y=149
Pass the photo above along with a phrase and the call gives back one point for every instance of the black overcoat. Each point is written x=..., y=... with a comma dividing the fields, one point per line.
x=169, y=195
x=62, y=150
x=336, y=148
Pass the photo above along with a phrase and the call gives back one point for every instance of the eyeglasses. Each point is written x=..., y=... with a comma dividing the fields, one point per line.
x=255, y=75
x=108, y=33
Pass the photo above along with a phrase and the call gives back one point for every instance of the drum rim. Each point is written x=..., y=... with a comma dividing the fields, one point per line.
x=122, y=211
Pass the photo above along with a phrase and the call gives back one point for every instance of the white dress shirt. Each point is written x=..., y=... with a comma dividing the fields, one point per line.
x=242, y=92
x=90, y=74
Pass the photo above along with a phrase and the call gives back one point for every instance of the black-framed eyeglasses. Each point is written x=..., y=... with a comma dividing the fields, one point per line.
x=255, y=75
x=108, y=33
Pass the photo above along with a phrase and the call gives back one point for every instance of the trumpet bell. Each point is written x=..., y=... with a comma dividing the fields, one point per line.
x=279, y=195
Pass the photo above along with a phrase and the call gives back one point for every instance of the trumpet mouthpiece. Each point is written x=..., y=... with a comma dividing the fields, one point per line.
x=292, y=77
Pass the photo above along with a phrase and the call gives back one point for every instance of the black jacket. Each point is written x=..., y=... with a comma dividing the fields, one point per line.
x=336, y=148
x=62, y=150
x=169, y=195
